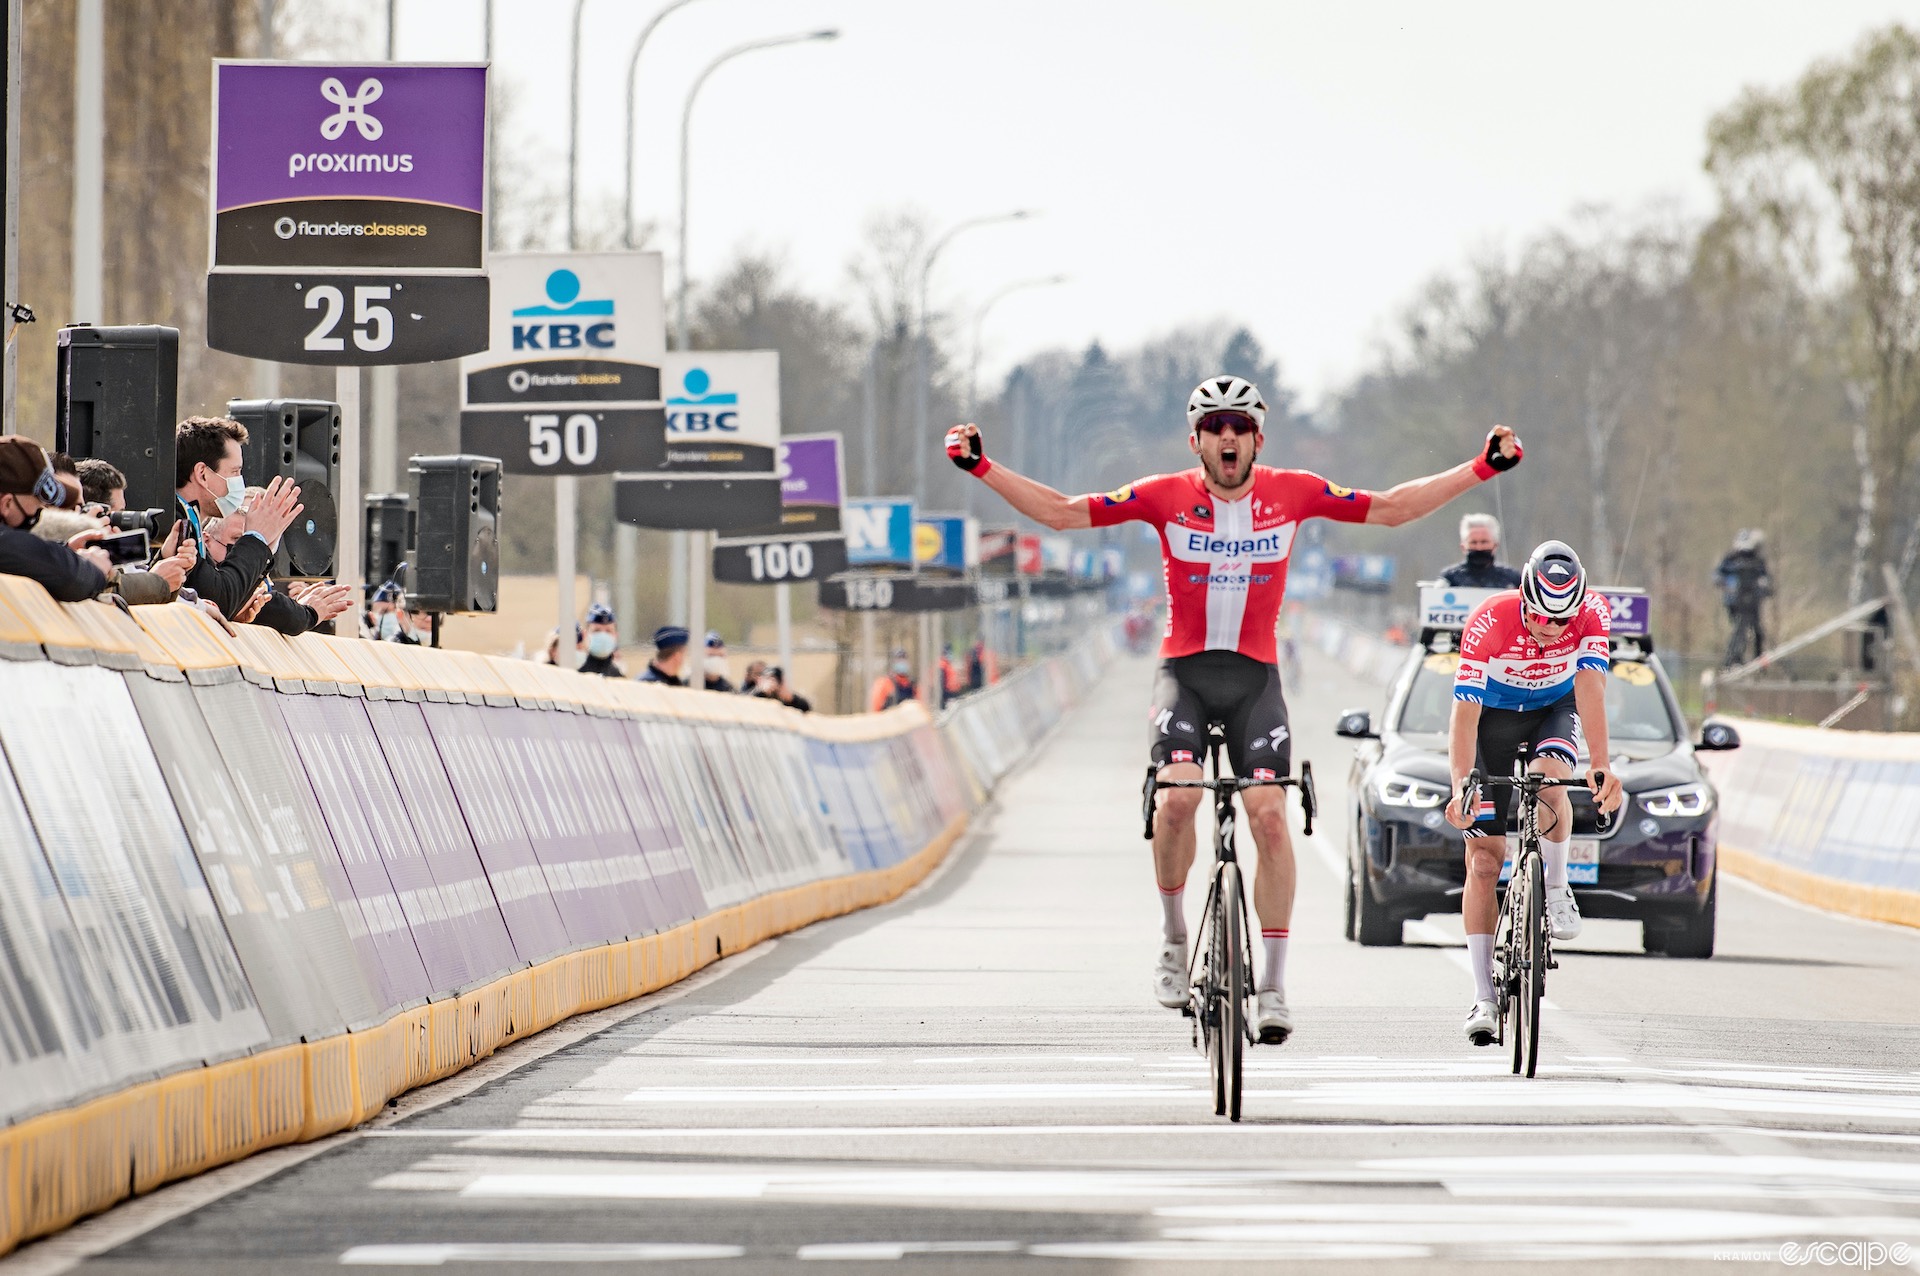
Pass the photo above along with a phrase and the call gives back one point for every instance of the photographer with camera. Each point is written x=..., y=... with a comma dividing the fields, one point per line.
x=28, y=488
x=772, y=685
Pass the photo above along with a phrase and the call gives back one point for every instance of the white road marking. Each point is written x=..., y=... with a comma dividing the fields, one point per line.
x=858, y=1251
x=1028, y=1189
x=977, y=1092
x=435, y=1255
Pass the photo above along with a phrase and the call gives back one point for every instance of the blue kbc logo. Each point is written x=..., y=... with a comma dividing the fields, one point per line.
x=563, y=292
x=698, y=411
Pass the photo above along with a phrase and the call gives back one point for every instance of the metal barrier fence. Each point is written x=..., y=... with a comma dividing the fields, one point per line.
x=253, y=887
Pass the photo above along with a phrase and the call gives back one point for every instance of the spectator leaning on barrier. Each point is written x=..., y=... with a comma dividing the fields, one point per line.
x=28, y=487
x=603, y=639
x=1480, y=542
x=142, y=583
x=895, y=686
x=713, y=670
x=207, y=474
x=669, y=657
x=772, y=685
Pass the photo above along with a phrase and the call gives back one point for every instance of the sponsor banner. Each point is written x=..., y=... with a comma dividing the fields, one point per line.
x=570, y=328
x=637, y=905
x=880, y=531
x=1027, y=557
x=262, y=869
x=807, y=542
x=480, y=785
x=361, y=320
x=400, y=730
x=349, y=166
x=599, y=440
x=1056, y=553
x=997, y=545
x=769, y=562
x=640, y=789
x=1632, y=612
x=164, y=986
x=858, y=592
x=722, y=396
x=1444, y=606
x=945, y=543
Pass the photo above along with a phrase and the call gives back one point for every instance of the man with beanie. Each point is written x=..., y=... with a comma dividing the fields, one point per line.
x=669, y=657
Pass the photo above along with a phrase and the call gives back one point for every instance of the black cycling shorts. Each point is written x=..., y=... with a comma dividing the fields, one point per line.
x=1504, y=733
x=1236, y=691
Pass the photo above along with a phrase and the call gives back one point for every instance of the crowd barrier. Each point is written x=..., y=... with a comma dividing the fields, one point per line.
x=1831, y=818
x=252, y=888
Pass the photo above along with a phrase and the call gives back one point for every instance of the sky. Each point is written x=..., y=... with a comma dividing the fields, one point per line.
x=1299, y=167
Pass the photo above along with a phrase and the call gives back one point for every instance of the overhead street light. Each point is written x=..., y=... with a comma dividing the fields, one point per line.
x=686, y=124
x=633, y=80
x=922, y=374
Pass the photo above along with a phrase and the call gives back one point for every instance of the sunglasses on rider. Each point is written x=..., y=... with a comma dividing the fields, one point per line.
x=1548, y=622
x=1218, y=421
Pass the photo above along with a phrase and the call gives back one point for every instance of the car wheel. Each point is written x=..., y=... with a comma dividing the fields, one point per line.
x=1653, y=936
x=1374, y=925
x=1693, y=938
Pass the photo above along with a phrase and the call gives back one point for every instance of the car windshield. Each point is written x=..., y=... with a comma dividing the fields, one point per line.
x=1636, y=710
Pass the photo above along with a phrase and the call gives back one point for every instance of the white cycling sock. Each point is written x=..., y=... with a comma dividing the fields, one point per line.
x=1480, y=957
x=1273, y=971
x=1173, y=914
x=1554, y=854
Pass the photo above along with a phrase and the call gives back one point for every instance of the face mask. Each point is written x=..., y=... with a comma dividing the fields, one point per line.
x=600, y=645
x=27, y=524
x=236, y=493
x=389, y=627
x=901, y=668
x=1479, y=558
x=716, y=666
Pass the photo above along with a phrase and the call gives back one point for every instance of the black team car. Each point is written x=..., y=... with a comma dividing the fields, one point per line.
x=1654, y=866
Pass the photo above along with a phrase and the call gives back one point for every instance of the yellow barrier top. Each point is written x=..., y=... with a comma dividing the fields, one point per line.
x=367, y=662
x=473, y=673
x=107, y=628
x=29, y=615
x=320, y=653
x=188, y=636
x=268, y=652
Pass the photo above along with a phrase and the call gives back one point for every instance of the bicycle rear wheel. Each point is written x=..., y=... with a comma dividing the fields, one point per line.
x=1531, y=924
x=1230, y=991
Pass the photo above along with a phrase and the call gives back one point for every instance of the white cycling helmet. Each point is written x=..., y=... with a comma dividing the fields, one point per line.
x=1553, y=583
x=1225, y=394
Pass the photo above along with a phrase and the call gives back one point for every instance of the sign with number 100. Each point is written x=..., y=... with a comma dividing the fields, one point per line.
x=778, y=561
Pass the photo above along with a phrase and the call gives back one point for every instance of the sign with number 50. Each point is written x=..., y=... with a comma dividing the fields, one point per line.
x=562, y=441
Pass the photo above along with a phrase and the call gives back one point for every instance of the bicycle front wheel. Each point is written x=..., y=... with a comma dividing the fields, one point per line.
x=1531, y=924
x=1229, y=992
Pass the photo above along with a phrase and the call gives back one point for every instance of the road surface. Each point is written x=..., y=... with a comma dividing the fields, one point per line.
x=974, y=1079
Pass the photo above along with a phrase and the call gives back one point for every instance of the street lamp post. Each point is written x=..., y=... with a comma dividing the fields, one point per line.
x=980, y=318
x=697, y=565
x=633, y=80
x=922, y=388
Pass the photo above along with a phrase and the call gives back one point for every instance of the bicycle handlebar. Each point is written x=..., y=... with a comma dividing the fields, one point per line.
x=1470, y=791
x=1231, y=784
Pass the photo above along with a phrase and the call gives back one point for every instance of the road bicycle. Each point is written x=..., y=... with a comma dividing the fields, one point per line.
x=1523, y=942
x=1219, y=973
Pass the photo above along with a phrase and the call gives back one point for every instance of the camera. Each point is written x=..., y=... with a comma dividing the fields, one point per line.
x=147, y=521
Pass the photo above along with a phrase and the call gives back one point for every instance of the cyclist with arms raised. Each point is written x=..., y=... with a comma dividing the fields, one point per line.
x=1533, y=675
x=1226, y=530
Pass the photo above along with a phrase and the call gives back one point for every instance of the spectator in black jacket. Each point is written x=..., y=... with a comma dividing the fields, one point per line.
x=207, y=471
x=772, y=685
x=28, y=485
x=1480, y=541
x=669, y=661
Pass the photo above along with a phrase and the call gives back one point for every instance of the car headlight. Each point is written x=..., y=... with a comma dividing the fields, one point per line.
x=1400, y=790
x=1680, y=801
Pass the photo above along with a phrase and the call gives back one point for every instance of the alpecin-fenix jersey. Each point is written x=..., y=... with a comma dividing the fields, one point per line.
x=1226, y=561
x=1502, y=667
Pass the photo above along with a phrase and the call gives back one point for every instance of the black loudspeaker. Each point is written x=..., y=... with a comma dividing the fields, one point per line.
x=116, y=392
x=455, y=555
x=387, y=537
x=297, y=439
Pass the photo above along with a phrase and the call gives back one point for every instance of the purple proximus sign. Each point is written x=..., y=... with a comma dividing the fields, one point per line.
x=1632, y=613
x=810, y=470
x=301, y=131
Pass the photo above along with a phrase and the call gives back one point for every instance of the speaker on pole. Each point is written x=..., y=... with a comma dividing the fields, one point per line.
x=297, y=439
x=116, y=394
x=387, y=537
x=455, y=557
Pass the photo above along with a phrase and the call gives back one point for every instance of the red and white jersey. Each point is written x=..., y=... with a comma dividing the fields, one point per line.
x=1226, y=561
x=1502, y=667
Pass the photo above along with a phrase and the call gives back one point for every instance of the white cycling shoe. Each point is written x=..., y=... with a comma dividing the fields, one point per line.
x=1563, y=915
x=1170, y=975
x=1272, y=1022
x=1480, y=1023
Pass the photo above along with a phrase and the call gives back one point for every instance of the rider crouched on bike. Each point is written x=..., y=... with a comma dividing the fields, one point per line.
x=1226, y=530
x=1533, y=675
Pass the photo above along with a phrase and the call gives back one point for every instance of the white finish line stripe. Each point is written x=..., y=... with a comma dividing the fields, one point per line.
x=435, y=1255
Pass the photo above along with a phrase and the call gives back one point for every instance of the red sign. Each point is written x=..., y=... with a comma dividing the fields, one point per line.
x=1026, y=555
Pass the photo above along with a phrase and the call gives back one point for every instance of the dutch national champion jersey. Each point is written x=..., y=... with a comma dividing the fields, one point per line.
x=1226, y=561
x=1502, y=667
